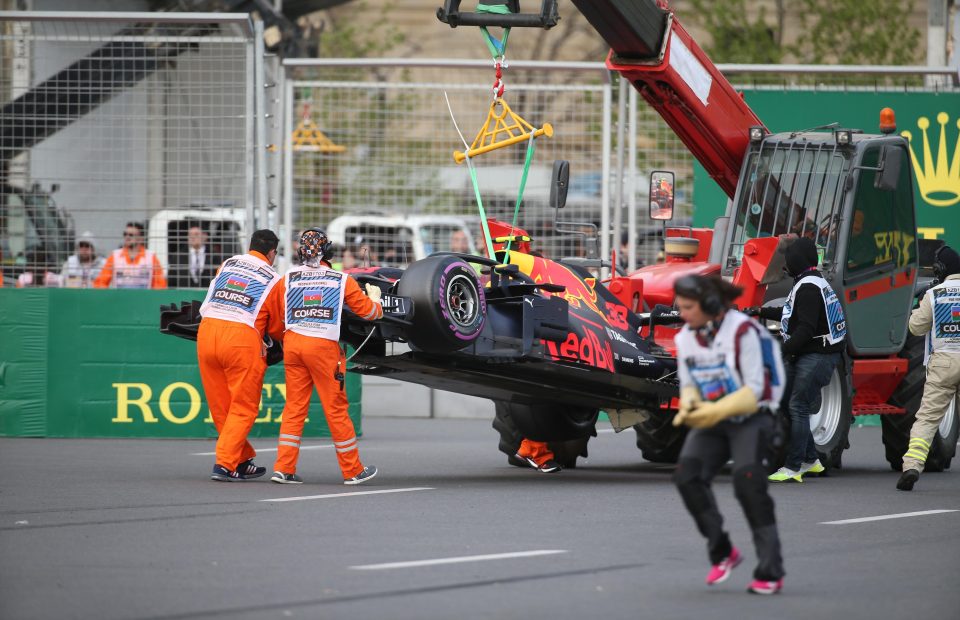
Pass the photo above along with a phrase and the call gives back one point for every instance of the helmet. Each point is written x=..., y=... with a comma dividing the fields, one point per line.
x=314, y=244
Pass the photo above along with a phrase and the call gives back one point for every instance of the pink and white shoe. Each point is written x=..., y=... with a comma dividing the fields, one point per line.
x=720, y=572
x=758, y=586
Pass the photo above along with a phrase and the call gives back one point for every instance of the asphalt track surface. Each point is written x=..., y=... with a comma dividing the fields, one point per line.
x=135, y=529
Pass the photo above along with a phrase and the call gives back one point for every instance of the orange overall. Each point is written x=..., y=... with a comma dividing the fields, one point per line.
x=122, y=270
x=309, y=362
x=536, y=450
x=232, y=360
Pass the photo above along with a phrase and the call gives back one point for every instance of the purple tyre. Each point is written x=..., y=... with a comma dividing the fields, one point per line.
x=449, y=305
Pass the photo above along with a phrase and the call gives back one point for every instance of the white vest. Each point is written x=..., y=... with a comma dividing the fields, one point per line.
x=137, y=274
x=714, y=368
x=831, y=304
x=238, y=292
x=944, y=299
x=80, y=275
x=314, y=302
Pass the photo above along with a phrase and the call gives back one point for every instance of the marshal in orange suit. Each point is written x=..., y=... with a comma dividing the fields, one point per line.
x=243, y=304
x=314, y=295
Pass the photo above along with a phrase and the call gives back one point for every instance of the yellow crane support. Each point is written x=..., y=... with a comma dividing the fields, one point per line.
x=308, y=137
x=502, y=128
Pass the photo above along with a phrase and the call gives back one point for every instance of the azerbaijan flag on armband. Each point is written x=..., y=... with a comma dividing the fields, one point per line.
x=955, y=313
x=312, y=298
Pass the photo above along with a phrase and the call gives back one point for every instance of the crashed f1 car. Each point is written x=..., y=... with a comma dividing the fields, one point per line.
x=544, y=339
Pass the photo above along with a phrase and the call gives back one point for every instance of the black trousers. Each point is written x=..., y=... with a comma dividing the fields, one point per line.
x=704, y=453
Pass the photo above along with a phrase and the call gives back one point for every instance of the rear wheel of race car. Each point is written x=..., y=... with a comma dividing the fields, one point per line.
x=449, y=306
x=896, y=428
x=515, y=422
x=658, y=439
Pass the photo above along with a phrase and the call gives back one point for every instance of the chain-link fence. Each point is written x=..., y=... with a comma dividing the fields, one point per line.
x=130, y=131
x=376, y=138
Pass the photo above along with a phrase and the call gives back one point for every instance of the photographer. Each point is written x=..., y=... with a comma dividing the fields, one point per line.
x=730, y=380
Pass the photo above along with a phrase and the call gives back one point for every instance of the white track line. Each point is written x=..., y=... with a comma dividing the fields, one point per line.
x=333, y=495
x=460, y=560
x=901, y=515
x=259, y=450
x=606, y=430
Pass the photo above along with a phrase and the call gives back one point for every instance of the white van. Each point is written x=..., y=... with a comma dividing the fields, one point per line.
x=224, y=226
x=396, y=240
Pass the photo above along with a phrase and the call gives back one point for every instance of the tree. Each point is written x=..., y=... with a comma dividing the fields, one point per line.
x=737, y=38
x=855, y=32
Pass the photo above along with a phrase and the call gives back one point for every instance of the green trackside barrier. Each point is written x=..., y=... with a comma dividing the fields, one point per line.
x=93, y=363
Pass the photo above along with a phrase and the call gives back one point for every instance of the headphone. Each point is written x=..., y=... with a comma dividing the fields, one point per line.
x=325, y=245
x=711, y=302
x=938, y=267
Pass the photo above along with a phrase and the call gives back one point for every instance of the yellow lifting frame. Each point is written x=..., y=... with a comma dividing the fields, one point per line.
x=516, y=130
x=308, y=137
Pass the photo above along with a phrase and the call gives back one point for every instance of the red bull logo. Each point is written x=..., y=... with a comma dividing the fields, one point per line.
x=579, y=292
x=587, y=349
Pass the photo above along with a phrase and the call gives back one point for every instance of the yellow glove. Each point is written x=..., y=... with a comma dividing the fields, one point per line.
x=689, y=399
x=373, y=292
x=705, y=415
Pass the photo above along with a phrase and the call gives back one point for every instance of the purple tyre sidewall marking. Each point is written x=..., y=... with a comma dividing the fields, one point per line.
x=445, y=311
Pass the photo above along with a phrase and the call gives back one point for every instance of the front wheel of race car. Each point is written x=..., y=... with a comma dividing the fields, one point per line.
x=449, y=306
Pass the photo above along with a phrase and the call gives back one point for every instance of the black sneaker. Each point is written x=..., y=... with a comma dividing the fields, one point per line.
x=365, y=475
x=908, y=479
x=249, y=469
x=549, y=467
x=282, y=478
x=222, y=474
x=518, y=461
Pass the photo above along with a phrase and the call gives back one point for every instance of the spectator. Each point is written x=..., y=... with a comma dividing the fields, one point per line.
x=201, y=264
x=36, y=273
x=81, y=268
x=459, y=242
x=133, y=265
x=350, y=260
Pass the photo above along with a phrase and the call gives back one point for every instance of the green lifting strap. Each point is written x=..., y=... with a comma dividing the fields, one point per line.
x=497, y=47
x=523, y=184
x=483, y=214
x=516, y=209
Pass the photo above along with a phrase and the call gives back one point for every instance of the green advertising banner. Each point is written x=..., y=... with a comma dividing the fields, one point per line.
x=931, y=121
x=92, y=363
